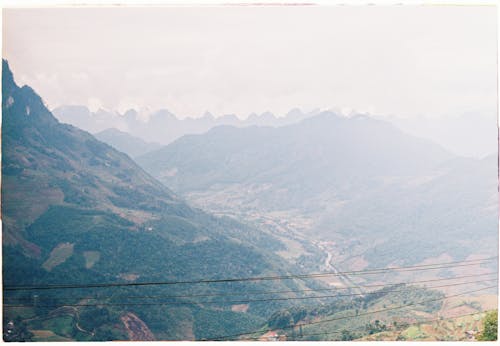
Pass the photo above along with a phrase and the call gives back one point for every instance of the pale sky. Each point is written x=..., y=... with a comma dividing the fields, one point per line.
x=399, y=60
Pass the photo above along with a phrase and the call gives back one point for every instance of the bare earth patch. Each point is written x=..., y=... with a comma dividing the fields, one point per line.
x=487, y=301
x=129, y=276
x=239, y=308
x=91, y=258
x=269, y=336
x=359, y=263
x=460, y=310
x=136, y=329
x=428, y=329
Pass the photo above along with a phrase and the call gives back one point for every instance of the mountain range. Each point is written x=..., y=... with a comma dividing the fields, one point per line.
x=471, y=134
x=354, y=179
x=162, y=126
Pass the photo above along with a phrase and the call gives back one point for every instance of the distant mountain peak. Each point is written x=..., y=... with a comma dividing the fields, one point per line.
x=7, y=77
x=163, y=112
x=112, y=130
x=252, y=116
x=229, y=117
x=294, y=112
x=207, y=116
x=22, y=101
x=130, y=112
x=267, y=116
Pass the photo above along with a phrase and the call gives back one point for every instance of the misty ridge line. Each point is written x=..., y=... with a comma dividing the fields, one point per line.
x=295, y=114
x=102, y=119
x=145, y=113
x=471, y=134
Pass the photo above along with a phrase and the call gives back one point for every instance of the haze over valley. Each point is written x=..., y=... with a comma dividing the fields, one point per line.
x=470, y=134
x=205, y=178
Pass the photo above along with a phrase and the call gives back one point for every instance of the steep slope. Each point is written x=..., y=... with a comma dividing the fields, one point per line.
x=75, y=210
x=358, y=182
x=126, y=143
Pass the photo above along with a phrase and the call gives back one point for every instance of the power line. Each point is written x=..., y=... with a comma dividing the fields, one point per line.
x=232, y=301
x=261, y=278
x=360, y=329
x=222, y=338
x=413, y=324
x=260, y=292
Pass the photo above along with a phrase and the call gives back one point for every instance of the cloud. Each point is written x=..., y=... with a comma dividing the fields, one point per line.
x=253, y=59
x=94, y=104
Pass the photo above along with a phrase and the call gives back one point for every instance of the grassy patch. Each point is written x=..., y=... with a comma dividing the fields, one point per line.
x=62, y=325
x=91, y=258
x=58, y=255
x=413, y=332
x=47, y=335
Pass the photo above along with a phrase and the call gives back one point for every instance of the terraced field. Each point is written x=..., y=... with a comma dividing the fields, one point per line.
x=446, y=326
x=447, y=329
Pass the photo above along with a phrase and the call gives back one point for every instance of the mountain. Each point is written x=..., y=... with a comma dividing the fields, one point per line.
x=83, y=118
x=124, y=142
x=162, y=126
x=376, y=194
x=77, y=211
x=326, y=149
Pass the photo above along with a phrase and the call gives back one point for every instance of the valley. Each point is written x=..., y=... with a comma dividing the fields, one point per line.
x=289, y=227
x=240, y=233
x=249, y=172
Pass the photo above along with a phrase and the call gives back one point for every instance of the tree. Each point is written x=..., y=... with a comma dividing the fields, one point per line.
x=281, y=319
x=490, y=327
x=16, y=330
x=347, y=335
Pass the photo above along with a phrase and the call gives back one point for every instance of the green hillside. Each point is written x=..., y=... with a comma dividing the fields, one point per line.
x=75, y=210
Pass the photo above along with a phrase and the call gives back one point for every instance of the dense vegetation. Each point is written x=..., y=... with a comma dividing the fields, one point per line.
x=490, y=327
x=349, y=318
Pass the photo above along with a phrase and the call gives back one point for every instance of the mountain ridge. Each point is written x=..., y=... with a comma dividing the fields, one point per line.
x=342, y=179
x=325, y=131
x=124, y=142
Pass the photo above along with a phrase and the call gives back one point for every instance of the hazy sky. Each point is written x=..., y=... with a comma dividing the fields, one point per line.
x=427, y=60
